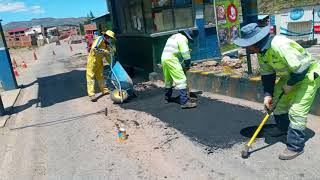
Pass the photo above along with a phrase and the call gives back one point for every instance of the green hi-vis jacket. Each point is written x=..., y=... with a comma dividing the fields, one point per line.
x=285, y=57
x=176, y=48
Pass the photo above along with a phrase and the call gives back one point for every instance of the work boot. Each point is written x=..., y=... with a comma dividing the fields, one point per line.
x=288, y=154
x=93, y=98
x=105, y=91
x=185, y=102
x=189, y=105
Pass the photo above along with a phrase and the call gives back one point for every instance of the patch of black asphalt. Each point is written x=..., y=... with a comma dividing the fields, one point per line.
x=212, y=123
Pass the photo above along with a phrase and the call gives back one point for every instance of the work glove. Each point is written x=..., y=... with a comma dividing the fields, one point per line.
x=267, y=103
x=286, y=88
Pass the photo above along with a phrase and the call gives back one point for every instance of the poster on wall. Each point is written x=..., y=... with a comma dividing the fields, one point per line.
x=228, y=23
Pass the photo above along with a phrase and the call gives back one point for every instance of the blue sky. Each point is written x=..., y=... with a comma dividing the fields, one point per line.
x=24, y=10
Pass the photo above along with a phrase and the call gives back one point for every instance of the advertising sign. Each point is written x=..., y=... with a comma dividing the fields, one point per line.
x=317, y=29
x=228, y=23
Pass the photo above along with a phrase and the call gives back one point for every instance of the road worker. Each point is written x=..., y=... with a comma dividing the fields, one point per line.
x=175, y=60
x=89, y=41
x=298, y=74
x=101, y=48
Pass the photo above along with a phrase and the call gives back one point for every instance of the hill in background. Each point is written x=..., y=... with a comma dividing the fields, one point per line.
x=46, y=22
x=274, y=6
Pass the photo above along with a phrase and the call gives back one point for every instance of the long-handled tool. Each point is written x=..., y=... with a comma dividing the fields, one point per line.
x=245, y=153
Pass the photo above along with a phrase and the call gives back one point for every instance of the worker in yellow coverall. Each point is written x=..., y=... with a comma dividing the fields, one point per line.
x=101, y=47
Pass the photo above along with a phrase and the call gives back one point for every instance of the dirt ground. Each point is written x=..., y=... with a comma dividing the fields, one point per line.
x=55, y=132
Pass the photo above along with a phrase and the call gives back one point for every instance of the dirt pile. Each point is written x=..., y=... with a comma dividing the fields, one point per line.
x=233, y=63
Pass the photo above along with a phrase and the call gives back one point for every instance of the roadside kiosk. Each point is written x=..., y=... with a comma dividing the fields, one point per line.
x=143, y=27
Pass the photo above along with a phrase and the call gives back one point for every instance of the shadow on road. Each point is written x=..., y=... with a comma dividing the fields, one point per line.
x=56, y=89
x=249, y=131
x=213, y=123
x=61, y=87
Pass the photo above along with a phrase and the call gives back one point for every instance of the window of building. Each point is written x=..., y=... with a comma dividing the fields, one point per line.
x=171, y=14
x=209, y=15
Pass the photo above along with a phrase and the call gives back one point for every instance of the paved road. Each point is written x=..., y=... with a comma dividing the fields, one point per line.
x=56, y=133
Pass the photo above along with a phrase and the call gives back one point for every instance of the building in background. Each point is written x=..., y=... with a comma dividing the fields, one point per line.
x=66, y=31
x=103, y=23
x=301, y=23
x=18, y=38
x=90, y=29
x=143, y=27
x=39, y=33
x=52, y=34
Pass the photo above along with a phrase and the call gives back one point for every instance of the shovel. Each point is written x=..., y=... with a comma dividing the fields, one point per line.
x=245, y=152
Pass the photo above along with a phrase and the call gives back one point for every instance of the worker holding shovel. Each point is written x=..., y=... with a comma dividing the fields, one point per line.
x=175, y=49
x=101, y=47
x=299, y=73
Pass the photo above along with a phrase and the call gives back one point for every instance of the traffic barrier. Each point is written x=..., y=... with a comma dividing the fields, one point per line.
x=24, y=65
x=14, y=63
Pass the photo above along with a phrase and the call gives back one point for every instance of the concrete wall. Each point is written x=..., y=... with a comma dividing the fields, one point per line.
x=24, y=41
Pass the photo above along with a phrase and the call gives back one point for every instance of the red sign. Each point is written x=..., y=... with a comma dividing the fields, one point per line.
x=317, y=28
x=232, y=13
x=272, y=31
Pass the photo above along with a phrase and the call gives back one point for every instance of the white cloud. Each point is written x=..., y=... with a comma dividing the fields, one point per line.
x=36, y=9
x=10, y=6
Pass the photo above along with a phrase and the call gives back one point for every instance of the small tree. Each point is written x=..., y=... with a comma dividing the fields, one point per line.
x=82, y=29
x=91, y=15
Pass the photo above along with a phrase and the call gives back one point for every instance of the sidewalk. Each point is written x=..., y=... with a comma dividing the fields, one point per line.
x=8, y=98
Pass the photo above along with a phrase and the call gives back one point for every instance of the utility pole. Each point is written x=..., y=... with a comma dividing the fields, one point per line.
x=250, y=15
x=313, y=24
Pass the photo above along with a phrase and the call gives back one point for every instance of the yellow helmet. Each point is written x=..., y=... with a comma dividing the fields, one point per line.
x=110, y=34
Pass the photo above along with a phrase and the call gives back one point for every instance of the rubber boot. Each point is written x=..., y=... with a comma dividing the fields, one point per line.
x=282, y=124
x=185, y=102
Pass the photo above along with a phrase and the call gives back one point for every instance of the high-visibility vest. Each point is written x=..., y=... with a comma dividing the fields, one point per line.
x=284, y=57
x=176, y=48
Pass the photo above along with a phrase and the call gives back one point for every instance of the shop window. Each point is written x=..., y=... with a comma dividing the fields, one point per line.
x=131, y=16
x=171, y=14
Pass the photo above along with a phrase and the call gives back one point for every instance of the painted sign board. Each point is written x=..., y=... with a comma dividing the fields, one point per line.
x=228, y=23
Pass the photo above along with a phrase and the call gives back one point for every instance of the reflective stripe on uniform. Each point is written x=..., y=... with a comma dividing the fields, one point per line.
x=297, y=122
